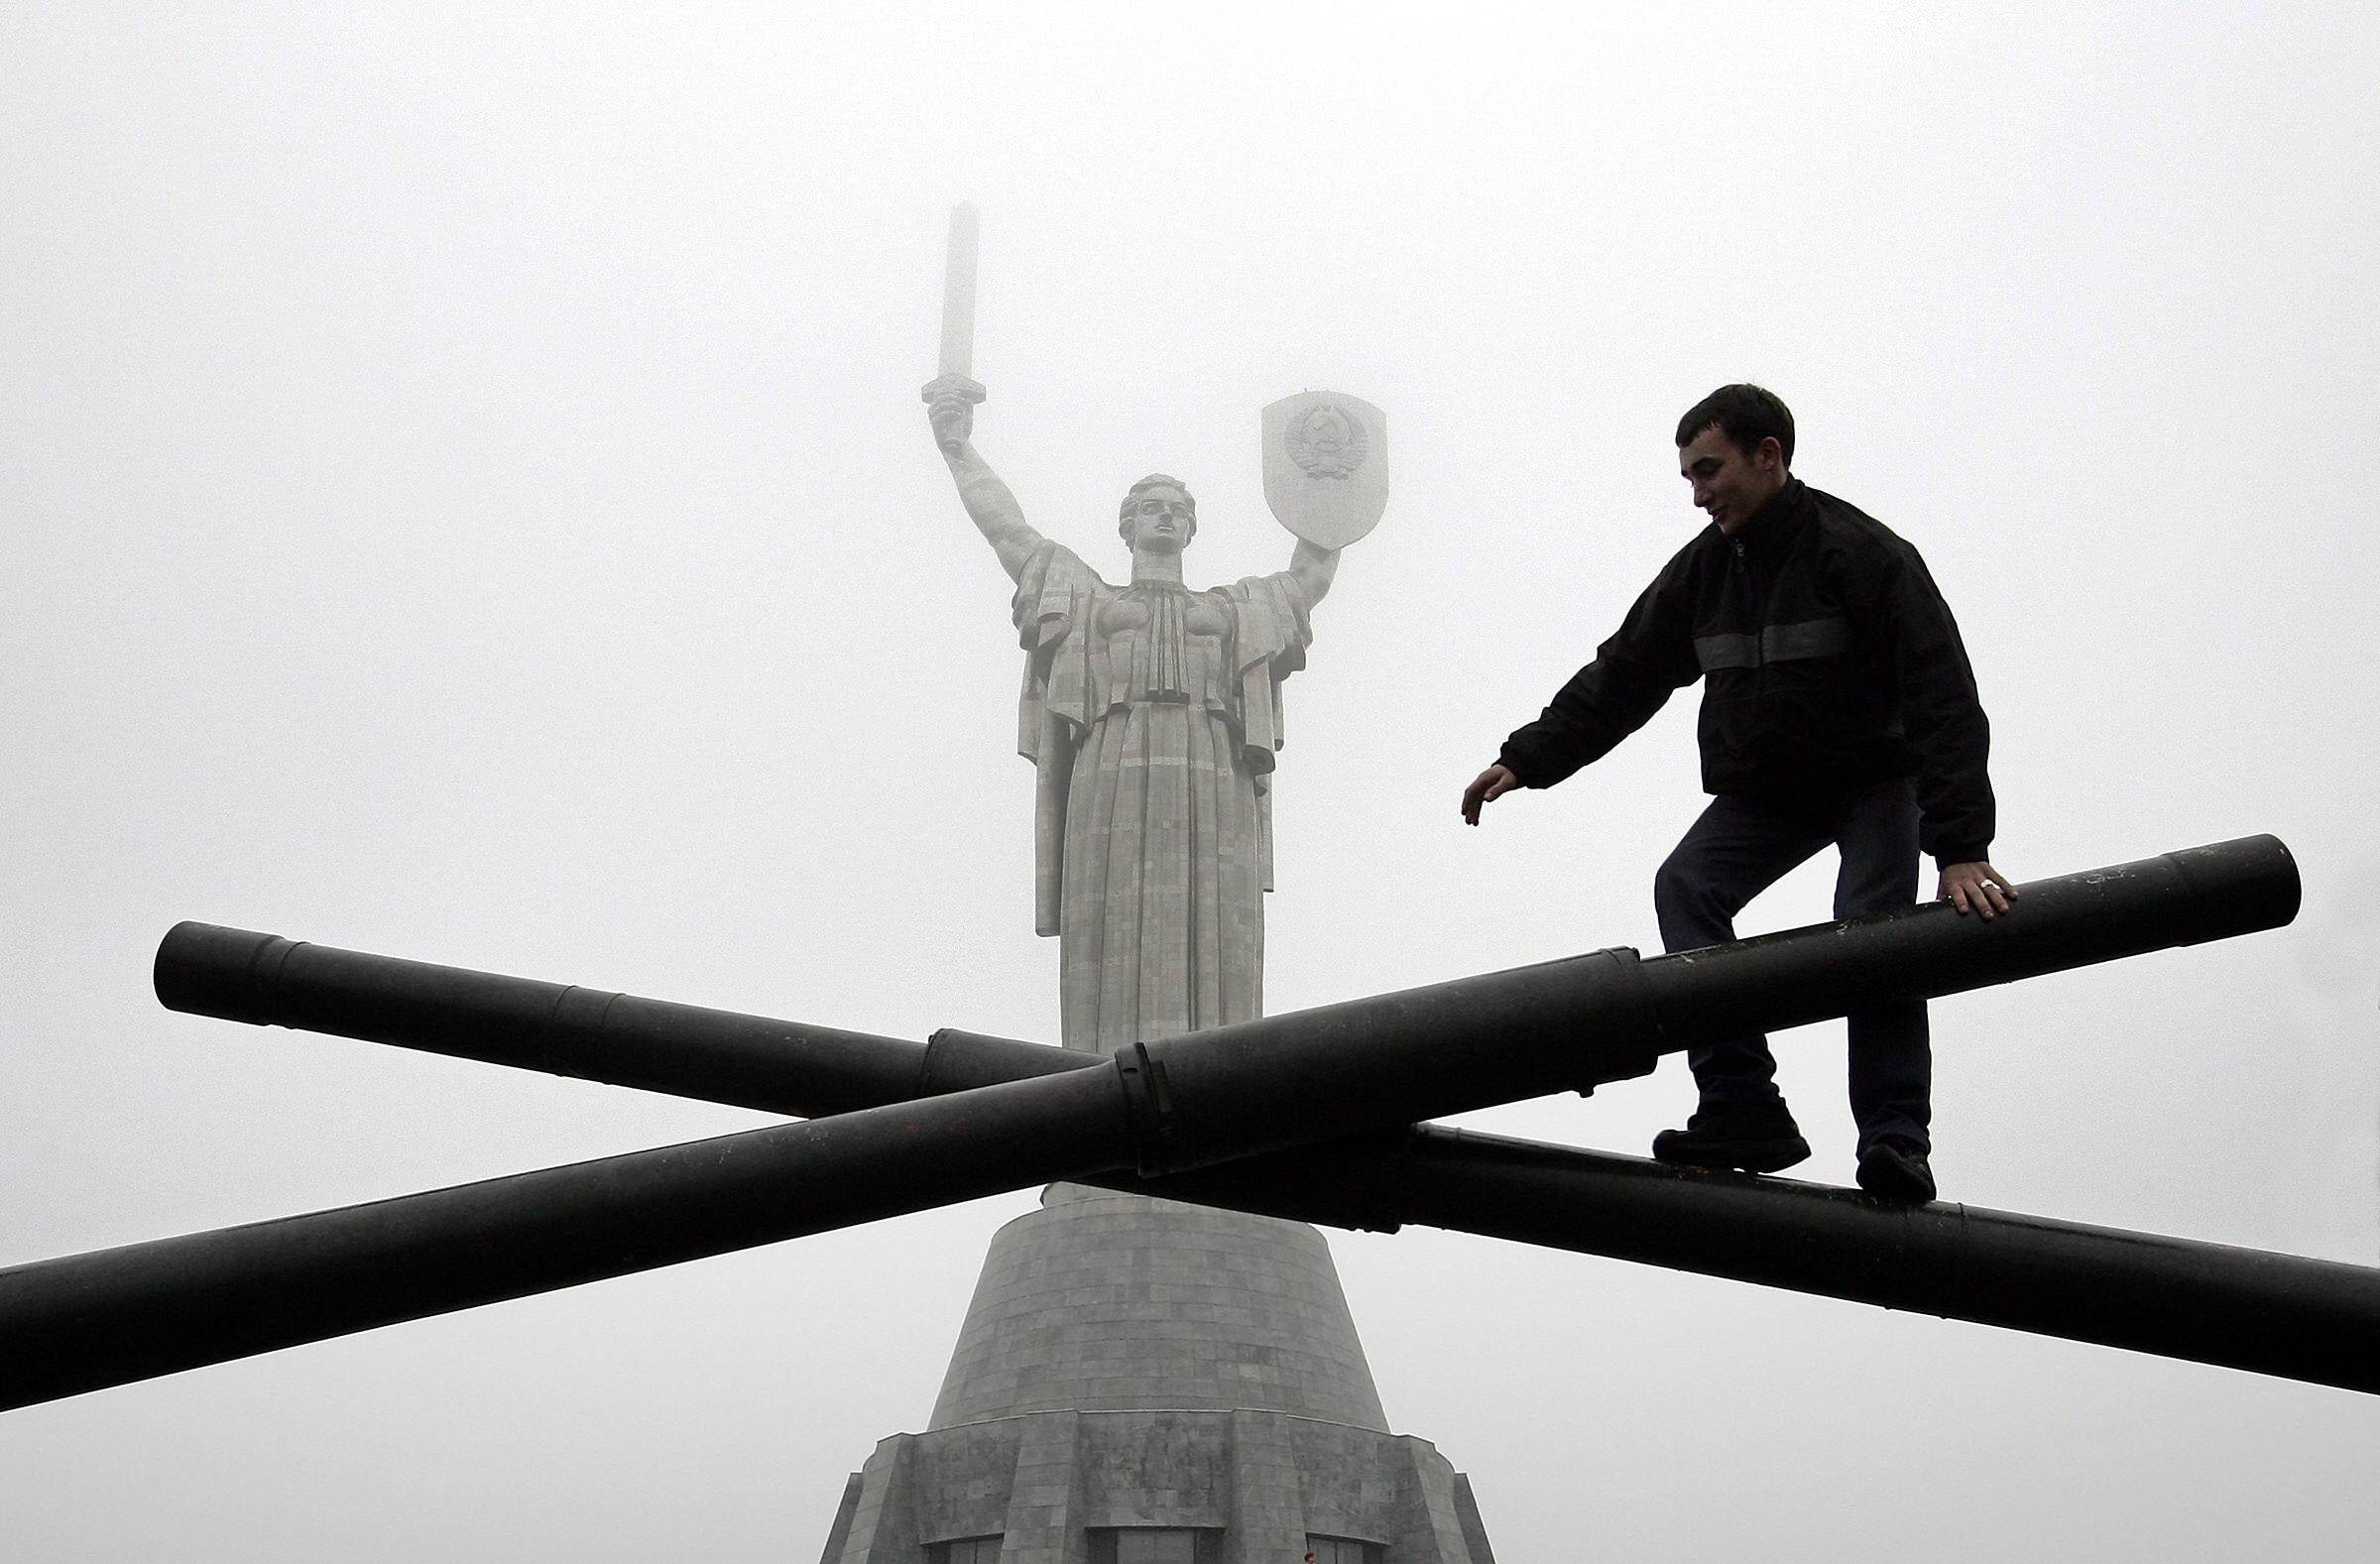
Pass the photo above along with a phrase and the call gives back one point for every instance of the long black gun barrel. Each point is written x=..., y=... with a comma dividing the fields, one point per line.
x=2269, y=1313
x=1643, y=1007
x=78, y=1324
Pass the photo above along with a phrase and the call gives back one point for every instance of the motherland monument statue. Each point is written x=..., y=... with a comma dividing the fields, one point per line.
x=1140, y=1379
x=1151, y=713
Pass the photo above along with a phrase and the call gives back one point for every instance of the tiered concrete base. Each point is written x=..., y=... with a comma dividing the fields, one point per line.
x=1258, y=1485
x=1136, y=1363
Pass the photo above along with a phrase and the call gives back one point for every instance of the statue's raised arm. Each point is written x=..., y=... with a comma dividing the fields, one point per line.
x=990, y=504
x=1313, y=565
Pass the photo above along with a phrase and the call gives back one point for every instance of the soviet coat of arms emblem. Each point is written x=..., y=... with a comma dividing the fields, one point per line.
x=1325, y=467
x=1327, y=442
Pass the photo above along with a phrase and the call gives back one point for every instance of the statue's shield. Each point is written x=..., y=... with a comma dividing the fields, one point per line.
x=1325, y=467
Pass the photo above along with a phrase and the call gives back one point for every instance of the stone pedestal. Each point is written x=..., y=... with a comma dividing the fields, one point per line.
x=1128, y=1362
x=1120, y=1303
x=1254, y=1485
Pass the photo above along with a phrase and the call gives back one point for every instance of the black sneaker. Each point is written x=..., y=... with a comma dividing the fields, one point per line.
x=1755, y=1143
x=1894, y=1172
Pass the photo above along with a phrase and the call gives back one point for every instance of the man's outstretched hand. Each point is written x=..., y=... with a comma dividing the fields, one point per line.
x=1976, y=885
x=1491, y=784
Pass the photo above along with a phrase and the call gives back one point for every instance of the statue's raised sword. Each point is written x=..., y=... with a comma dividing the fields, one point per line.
x=958, y=311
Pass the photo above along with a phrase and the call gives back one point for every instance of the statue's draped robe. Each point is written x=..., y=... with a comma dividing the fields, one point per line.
x=1151, y=714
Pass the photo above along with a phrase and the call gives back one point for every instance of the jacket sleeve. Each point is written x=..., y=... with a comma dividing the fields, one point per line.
x=1940, y=714
x=1632, y=675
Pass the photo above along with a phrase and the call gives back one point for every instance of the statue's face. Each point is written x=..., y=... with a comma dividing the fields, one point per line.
x=1160, y=518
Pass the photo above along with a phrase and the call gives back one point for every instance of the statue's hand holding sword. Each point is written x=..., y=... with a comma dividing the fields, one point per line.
x=951, y=395
x=951, y=407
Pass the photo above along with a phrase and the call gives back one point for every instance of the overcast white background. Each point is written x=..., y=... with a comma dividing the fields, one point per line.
x=465, y=496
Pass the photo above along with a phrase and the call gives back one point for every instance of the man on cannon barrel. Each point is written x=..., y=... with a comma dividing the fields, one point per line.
x=1838, y=707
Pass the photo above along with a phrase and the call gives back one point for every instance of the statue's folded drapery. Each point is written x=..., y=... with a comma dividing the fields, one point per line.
x=1151, y=714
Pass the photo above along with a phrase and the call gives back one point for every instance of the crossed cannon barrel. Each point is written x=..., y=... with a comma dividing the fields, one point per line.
x=1312, y=1115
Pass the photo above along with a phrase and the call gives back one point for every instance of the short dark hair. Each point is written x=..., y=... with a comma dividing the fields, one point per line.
x=1745, y=413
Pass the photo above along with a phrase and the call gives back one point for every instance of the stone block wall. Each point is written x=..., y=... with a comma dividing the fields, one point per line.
x=1115, y=1302
x=1258, y=1482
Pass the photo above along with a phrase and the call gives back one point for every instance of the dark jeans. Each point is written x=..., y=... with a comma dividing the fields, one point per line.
x=1738, y=848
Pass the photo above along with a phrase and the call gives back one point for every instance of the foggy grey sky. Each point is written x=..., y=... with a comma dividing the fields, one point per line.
x=466, y=497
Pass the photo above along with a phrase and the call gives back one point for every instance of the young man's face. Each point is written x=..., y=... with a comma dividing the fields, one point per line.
x=1731, y=484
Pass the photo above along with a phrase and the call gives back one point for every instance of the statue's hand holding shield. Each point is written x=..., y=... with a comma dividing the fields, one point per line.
x=1325, y=467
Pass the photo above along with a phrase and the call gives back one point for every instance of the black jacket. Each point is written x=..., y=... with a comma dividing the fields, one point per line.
x=1829, y=659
